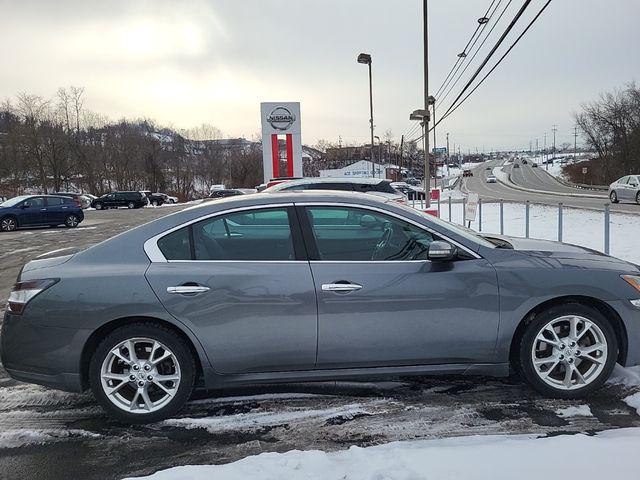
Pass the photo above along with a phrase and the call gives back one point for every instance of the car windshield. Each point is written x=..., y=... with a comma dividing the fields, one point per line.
x=12, y=202
x=464, y=232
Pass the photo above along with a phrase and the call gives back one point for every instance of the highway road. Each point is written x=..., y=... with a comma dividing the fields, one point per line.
x=548, y=191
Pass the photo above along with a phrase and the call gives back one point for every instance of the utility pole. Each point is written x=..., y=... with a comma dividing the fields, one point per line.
x=554, y=128
x=401, y=147
x=427, y=180
x=575, y=143
x=448, y=156
x=544, y=152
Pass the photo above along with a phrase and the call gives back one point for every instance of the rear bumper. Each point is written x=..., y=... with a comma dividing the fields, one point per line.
x=40, y=354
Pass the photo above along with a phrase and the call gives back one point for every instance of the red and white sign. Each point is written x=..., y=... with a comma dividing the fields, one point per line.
x=281, y=120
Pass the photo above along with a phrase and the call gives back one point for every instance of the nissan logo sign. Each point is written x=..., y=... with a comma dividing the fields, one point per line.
x=281, y=118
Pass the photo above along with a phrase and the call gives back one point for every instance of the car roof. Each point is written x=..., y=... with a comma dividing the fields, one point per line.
x=363, y=180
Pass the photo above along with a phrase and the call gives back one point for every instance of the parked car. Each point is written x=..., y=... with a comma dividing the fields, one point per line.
x=491, y=179
x=308, y=286
x=168, y=198
x=625, y=188
x=375, y=186
x=409, y=191
x=39, y=210
x=154, y=199
x=120, y=199
x=467, y=173
x=82, y=200
x=227, y=192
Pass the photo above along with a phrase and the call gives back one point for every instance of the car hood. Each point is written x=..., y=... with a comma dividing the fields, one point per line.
x=565, y=254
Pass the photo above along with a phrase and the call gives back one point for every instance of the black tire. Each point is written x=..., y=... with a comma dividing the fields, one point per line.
x=131, y=205
x=154, y=203
x=8, y=224
x=71, y=221
x=158, y=333
x=528, y=341
x=613, y=196
x=99, y=206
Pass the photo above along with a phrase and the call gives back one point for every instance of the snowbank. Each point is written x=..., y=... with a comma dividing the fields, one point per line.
x=479, y=458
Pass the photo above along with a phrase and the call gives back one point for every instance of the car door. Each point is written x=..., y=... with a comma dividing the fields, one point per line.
x=242, y=283
x=634, y=187
x=381, y=303
x=31, y=211
x=55, y=210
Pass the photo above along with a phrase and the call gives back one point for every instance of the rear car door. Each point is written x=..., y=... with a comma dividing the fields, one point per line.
x=242, y=282
x=56, y=210
x=382, y=303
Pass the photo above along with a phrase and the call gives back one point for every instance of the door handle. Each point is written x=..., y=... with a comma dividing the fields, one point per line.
x=340, y=287
x=188, y=289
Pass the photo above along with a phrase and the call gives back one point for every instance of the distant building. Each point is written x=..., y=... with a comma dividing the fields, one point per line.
x=361, y=169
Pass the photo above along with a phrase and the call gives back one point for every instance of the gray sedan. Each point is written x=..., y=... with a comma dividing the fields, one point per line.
x=314, y=286
x=625, y=188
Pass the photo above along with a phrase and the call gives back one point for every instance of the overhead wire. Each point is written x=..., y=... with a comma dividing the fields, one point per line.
x=461, y=59
x=451, y=110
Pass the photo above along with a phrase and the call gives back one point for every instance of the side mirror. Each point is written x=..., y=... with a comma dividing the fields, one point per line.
x=440, y=251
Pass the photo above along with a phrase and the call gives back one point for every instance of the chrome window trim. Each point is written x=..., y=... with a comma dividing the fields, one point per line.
x=391, y=214
x=154, y=254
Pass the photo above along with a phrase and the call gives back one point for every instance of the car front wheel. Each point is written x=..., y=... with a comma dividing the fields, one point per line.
x=131, y=205
x=613, y=196
x=8, y=224
x=142, y=373
x=98, y=206
x=568, y=351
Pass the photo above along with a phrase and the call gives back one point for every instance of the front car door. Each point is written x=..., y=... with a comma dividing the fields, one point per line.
x=241, y=281
x=32, y=211
x=382, y=303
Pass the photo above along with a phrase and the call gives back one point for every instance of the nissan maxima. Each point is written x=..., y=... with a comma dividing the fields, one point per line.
x=308, y=286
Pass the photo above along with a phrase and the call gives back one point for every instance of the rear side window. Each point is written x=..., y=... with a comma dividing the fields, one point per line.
x=256, y=235
x=53, y=201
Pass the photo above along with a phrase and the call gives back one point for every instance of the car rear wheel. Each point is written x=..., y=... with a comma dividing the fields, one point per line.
x=131, y=205
x=154, y=203
x=72, y=221
x=613, y=196
x=142, y=373
x=568, y=351
x=8, y=224
x=99, y=206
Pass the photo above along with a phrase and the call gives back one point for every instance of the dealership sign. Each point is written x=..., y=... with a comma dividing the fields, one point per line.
x=281, y=119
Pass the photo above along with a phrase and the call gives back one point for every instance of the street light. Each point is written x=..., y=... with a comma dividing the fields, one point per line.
x=365, y=59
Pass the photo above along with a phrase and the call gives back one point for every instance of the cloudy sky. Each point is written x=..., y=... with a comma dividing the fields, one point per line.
x=186, y=62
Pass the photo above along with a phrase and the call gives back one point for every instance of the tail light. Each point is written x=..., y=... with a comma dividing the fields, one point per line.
x=23, y=292
x=77, y=202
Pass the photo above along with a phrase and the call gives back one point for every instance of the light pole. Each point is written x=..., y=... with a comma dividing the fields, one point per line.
x=425, y=28
x=379, y=152
x=365, y=59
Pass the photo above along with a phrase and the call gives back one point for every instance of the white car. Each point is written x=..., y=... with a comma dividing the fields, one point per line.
x=491, y=179
x=376, y=186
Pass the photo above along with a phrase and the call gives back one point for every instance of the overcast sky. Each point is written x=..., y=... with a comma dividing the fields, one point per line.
x=186, y=62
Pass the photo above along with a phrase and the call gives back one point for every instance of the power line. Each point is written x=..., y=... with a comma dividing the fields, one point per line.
x=452, y=108
x=464, y=55
x=490, y=54
x=475, y=54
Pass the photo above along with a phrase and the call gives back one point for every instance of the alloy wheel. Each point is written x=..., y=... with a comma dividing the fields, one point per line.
x=613, y=197
x=569, y=352
x=98, y=206
x=140, y=375
x=72, y=221
x=131, y=205
x=8, y=224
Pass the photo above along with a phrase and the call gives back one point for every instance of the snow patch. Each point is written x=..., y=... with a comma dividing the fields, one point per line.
x=479, y=457
x=20, y=437
x=579, y=411
x=633, y=401
x=629, y=377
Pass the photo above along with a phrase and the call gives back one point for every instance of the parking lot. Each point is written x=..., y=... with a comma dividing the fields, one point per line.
x=47, y=434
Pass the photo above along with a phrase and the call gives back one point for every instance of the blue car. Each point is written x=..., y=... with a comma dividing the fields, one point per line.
x=39, y=210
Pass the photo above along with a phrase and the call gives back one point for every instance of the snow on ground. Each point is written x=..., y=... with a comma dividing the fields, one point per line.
x=575, y=411
x=580, y=227
x=629, y=377
x=20, y=437
x=633, y=401
x=479, y=457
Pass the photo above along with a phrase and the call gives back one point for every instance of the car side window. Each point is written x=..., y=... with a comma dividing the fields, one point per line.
x=255, y=235
x=35, y=202
x=633, y=181
x=354, y=234
x=623, y=181
x=54, y=201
